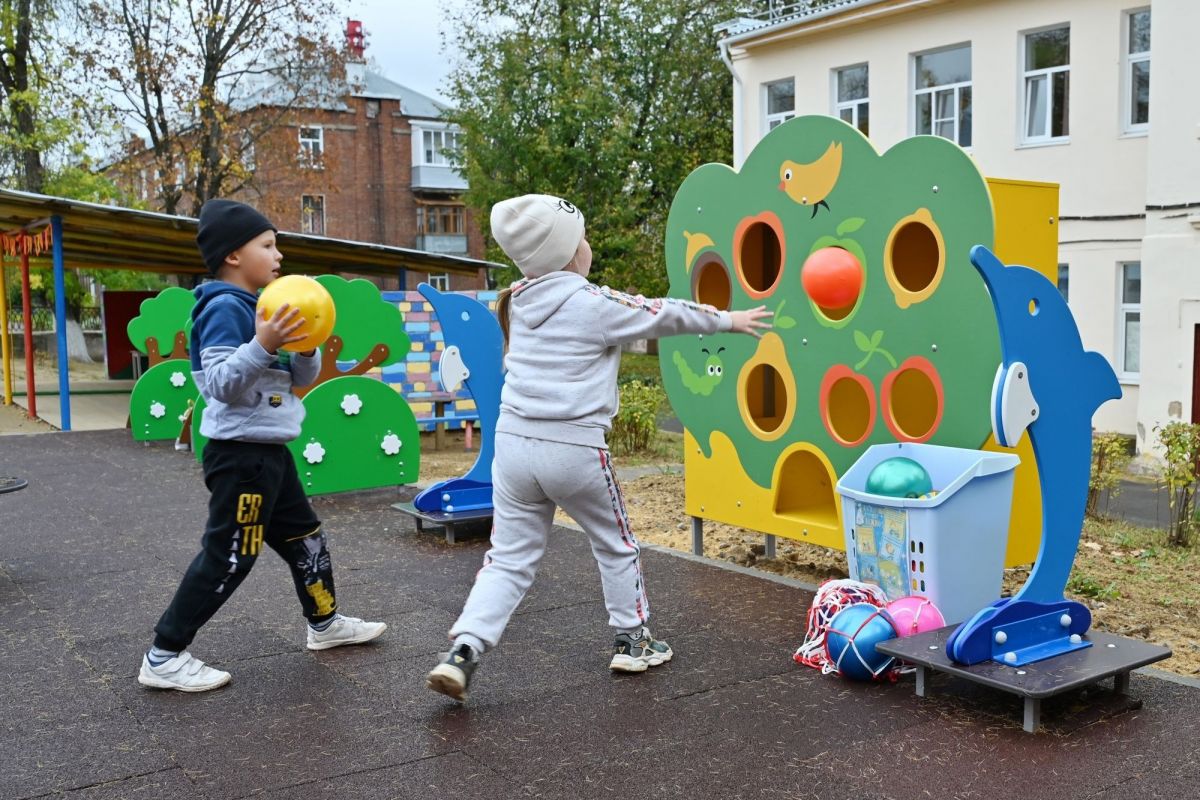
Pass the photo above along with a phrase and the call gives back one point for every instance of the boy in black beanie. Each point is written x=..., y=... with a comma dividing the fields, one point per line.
x=252, y=413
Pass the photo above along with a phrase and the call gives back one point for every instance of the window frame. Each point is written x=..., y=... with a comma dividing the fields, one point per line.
x=305, y=222
x=442, y=131
x=1124, y=310
x=307, y=157
x=771, y=121
x=441, y=211
x=1048, y=73
x=933, y=90
x=1128, y=60
x=852, y=106
x=439, y=280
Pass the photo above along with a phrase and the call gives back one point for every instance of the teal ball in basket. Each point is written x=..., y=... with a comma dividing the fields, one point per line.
x=899, y=477
x=850, y=641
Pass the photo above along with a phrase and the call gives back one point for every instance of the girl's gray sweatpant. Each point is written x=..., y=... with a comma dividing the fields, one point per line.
x=531, y=477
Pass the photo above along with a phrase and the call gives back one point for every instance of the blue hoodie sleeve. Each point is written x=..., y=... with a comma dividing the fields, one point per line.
x=232, y=359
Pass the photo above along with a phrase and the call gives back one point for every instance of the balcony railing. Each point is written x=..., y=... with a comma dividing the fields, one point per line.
x=444, y=243
x=437, y=178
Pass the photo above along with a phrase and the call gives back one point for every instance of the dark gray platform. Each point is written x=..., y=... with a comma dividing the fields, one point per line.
x=1109, y=656
x=475, y=520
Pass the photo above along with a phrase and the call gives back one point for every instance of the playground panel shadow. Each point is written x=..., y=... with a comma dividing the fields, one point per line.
x=92, y=549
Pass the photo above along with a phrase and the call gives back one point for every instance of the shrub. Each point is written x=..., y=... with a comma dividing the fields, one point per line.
x=637, y=420
x=1181, y=443
x=1110, y=456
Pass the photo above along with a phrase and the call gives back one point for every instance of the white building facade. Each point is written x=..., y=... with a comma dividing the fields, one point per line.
x=1099, y=96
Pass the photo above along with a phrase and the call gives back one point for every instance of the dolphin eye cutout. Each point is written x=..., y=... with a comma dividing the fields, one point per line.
x=1034, y=307
x=466, y=316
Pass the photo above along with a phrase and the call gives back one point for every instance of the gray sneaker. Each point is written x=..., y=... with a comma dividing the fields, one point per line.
x=184, y=673
x=344, y=630
x=637, y=652
x=453, y=675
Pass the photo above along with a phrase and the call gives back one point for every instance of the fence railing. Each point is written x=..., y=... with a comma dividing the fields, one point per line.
x=43, y=319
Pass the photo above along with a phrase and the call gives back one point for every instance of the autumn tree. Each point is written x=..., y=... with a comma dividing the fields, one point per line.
x=44, y=106
x=208, y=82
x=609, y=104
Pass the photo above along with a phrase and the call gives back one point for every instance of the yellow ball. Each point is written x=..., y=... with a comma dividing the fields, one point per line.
x=313, y=300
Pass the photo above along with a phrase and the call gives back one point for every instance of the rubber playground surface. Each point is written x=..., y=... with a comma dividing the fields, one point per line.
x=93, y=547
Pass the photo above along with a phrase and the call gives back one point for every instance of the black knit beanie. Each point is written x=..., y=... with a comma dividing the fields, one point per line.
x=226, y=225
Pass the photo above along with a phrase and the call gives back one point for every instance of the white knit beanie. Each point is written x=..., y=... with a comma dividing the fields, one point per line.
x=539, y=232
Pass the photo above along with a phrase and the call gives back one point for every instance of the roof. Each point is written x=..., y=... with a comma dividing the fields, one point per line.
x=99, y=236
x=412, y=102
x=780, y=15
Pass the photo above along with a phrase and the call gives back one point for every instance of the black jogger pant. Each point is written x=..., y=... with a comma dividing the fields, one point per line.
x=256, y=498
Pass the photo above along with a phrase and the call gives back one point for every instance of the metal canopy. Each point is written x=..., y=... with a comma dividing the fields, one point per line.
x=98, y=236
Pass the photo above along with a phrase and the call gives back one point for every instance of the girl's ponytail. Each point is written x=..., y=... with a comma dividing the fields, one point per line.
x=502, y=302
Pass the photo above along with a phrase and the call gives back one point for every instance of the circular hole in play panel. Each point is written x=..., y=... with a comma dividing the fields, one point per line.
x=915, y=256
x=849, y=411
x=758, y=243
x=913, y=399
x=711, y=284
x=766, y=397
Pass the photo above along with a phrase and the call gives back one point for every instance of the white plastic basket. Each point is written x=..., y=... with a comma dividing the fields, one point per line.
x=949, y=547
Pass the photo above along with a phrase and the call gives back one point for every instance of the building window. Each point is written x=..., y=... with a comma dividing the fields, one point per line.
x=439, y=148
x=372, y=109
x=312, y=214
x=440, y=220
x=780, y=103
x=441, y=282
x=851, y=103
x=1064, y=281
x=312, y=146
x=1047, y=84
x=1130, y=320
x=143, y=190
x=1137, y=71
x=942, y=94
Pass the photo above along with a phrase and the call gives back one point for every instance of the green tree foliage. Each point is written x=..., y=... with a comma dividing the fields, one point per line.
x=636, y=422
x=1181, y=467
x=44, y=107
x=609, y=104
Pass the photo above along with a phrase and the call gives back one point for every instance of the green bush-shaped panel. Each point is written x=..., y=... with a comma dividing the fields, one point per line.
x=886, y=333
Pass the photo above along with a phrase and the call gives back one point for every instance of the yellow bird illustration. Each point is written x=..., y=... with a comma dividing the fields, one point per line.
x=810, y=184
x=695, y=243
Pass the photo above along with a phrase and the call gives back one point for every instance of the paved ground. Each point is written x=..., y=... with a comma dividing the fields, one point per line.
x=92, y=549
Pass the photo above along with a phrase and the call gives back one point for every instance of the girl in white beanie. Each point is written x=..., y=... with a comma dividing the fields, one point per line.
x=564, y=338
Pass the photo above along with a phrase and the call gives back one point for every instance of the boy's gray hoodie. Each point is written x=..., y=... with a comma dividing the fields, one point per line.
x=564, y=348
x=248, y=391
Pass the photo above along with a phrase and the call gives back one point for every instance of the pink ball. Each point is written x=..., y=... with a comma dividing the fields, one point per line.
x=914, y=615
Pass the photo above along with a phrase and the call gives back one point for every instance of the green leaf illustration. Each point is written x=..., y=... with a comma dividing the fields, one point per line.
x=862, y=342
x=876, y=338
x=784, y=322
x=849, y=225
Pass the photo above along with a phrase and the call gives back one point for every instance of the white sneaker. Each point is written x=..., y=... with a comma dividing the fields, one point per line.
x=184, y=672
x=344, y=630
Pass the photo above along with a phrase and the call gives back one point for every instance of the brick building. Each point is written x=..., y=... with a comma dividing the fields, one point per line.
x=370, y=166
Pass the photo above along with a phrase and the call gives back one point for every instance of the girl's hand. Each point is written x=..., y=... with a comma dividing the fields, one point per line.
x=280, y=329
x=748, y=321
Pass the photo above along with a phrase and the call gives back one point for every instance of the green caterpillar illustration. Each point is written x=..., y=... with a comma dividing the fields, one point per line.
x=708, y=378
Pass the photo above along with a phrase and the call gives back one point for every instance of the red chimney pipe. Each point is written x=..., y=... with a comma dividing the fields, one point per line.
x=355, y=39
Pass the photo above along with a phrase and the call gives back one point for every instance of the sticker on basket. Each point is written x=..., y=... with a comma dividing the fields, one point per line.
x=879, y=544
